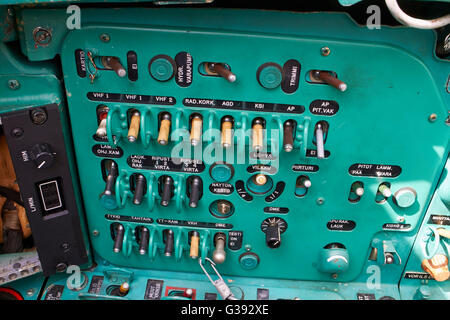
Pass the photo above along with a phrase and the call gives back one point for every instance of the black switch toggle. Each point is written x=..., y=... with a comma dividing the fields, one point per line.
x=144, y=236
x=169, y=239
x=118, y=240
x=107, y=198
x=194, y=190
x=166, y=190
x=140, y=184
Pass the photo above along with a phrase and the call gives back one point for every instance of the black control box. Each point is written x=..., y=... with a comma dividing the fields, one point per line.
x=38, y=152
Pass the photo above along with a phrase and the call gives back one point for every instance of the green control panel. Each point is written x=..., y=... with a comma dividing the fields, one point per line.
x=262, y=151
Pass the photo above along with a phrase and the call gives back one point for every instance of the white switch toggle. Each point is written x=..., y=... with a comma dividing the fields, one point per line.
x=319, y=142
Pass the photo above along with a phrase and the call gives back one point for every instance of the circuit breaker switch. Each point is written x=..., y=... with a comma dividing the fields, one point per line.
x=114, y=64
x=139, y=188
x=101, y=130
x=196, y=129
x=330, y=79
x=195, y=188
x=164, y=128
x=108, y=198
x=219, y=254
x=319, y=142
x=118, y=240
x=143, y=241
x=257, y=133
x=195, y=240
x=167, y=191
x=168, y=249
x=288, y=136
x=227, y=131
x=135, y=123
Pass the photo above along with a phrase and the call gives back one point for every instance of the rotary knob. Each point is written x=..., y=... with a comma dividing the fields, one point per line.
x=273, y=228
x=42, y=155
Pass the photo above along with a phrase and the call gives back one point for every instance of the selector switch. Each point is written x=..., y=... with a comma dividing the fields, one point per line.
x=42, y=155
x=162, y=67
x=269, y=75
x=273, y=228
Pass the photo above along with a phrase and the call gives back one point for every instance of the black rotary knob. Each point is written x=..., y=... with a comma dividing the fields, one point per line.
x=273, y=228
x=42, y=155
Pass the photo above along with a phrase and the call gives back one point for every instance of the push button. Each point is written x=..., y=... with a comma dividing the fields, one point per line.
x=162, y=68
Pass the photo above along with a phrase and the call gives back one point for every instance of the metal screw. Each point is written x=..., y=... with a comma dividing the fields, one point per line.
x=61, y=267
x=432, y=117
x=334, y=275
x=42, y=36
x=104, y=37
x=320, y=201
x=38, y=116
x=17, y=132
x=95, y=233
x=325, y=51
x=13, y=84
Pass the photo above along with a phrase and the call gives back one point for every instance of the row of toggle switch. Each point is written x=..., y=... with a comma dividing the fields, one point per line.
x=142, y=237
x=258, y=126
x=194, y=188
x=269, y=75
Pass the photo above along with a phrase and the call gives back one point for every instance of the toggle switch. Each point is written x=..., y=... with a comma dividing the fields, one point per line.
x=114, y=64
x=166, y=190
x=102, y=115
x=329, y=78
x=273, y=228
x=108, y=198
x=219, y=255
x=222, y=70
x=144, y=236
x=302, y=184
x=319, y=141
x=358, y=188
x=194, y=190
x=195, y=240
x=385, y=190
x=227, y=131
x=140, y=184
x=164, y=128
x=288, y=135
x=257, y=133
x=169, y=241
x=135, y=123
x=196, y=129
x=119, y=232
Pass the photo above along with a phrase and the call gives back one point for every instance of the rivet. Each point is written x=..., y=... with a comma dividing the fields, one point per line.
x=13, y=84
x=325, y=51
x=104, y=37
x=432, y=117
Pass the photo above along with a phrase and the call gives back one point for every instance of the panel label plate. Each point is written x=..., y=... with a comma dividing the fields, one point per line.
x=374, y=170
x=166, y=164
